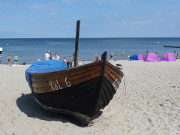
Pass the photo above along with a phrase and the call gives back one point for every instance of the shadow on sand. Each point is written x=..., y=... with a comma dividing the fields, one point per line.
x=31, y=108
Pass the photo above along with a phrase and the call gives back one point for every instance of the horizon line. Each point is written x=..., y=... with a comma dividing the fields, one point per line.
x=75, y=37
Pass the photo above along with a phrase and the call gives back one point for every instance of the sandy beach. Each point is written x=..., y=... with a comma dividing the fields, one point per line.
x=151, y=105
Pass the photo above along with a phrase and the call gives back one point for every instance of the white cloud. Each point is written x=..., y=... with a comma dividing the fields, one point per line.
x=51, y=3
x=5, y=5
x=52, y=14
x=101, y=1
x=125, y=1
x=84, y=1
x=142, y=22
x=158, y=13
x=124, y=22
x=37, y=6
x=95, y=1
x=166, y=14
x=172, y=14
x=49, y=6
x=71, y=1
x=11, y=16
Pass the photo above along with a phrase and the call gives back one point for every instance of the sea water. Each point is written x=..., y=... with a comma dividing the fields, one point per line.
x=30, y=50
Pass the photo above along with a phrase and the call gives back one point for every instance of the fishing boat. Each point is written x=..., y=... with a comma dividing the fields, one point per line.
x=80, y=92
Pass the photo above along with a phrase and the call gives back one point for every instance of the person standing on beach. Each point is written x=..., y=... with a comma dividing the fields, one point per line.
x=47, y=55
x=9, y=59
x=96, y=57
x=0, y=59
x=177, y=56
x=69, y=63
x=56, y=57
x=16, y=59
x=111, y=55
x=122, y=54
x=64, y=60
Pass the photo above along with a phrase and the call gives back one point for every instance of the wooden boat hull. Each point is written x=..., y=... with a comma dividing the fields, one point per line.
x=80, y=92
x=79, y=99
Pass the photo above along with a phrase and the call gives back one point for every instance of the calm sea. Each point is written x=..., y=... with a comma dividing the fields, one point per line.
x=31, y=49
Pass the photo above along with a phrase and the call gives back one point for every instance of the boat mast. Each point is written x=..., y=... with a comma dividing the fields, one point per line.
x=77, y=43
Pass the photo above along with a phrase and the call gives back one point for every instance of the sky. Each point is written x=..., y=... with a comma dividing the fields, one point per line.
x=99, y=18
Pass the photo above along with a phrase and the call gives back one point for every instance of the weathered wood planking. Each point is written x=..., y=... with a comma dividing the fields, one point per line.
x=42, y=84
x=81, y=75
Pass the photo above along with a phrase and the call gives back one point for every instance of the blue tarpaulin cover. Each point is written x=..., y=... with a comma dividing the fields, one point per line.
x=44, y=66
x=136, y=56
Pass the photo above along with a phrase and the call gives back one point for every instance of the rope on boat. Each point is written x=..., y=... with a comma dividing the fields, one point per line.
x=124, y=88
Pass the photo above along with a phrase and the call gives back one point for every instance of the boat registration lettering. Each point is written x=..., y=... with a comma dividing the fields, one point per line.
x=56, y=86
x=68, y=84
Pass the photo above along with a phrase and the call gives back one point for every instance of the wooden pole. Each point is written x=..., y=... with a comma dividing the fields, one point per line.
x=77, y=43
